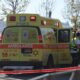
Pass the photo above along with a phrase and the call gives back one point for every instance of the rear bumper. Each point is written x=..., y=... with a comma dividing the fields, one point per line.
x=20, y=63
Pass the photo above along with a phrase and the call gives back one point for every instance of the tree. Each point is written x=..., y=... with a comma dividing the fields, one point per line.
x=47, y=7
x=72, y=12
x=13, y=7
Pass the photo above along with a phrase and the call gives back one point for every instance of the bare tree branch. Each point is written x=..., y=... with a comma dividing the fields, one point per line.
x=72, y=11
x=13, y=6
x=46, y=7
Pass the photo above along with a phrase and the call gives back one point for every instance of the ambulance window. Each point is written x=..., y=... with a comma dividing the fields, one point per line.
x=48, y=35
x=63, y=36
x=11, y=35
x=29, y=35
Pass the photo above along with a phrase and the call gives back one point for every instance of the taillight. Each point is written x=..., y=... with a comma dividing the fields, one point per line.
x=0, y=38
x=32, y=18
x=40, y=38
x=12, y=18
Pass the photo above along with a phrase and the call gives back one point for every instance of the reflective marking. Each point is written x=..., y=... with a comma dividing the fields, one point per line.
x=38, y=46
x=15, y=46
x=51, y=46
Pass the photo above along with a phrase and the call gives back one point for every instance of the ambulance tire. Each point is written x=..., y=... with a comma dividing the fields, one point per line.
x=50, y=61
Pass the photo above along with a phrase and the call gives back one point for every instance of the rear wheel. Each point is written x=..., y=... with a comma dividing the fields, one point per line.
x=50, y=62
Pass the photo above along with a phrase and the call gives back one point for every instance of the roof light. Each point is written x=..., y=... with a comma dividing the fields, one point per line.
x=57, y=24
x=22, y=18
x=43, y=22
x=12, y=18
x=32, y=18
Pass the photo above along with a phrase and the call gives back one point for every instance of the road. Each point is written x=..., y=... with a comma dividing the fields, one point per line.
x=17, y=77
x=69, y=76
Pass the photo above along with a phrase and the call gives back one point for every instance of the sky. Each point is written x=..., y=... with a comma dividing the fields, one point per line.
x=33, y=7
x=57, y=13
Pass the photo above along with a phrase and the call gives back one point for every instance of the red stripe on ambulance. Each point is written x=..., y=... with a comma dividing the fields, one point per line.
x=35, y=46
x=44, y=46
x=63, y=46
x=2, y=46
x=51, y=46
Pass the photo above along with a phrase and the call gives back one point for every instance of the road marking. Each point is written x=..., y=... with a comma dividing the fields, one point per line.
x=72, y=75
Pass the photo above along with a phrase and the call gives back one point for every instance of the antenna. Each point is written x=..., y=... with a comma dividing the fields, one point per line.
x=50, y=13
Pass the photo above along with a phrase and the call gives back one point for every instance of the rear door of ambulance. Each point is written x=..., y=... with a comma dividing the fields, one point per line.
x=18, y=44
x=64, y=56
x=30, y=38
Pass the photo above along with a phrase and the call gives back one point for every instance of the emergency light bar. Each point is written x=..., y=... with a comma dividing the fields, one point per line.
x=32, y=18
x=43, y=22
x=22, y=18
x=12, y=18
x=56, y=24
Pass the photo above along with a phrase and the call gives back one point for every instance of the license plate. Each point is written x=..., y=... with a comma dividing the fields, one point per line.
x=26, y=50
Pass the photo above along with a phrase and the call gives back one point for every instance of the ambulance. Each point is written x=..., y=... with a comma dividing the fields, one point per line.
x=32, y=40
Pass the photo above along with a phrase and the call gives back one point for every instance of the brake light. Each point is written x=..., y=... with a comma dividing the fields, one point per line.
x=12, y=18
x=40, y=38
x=32, y=18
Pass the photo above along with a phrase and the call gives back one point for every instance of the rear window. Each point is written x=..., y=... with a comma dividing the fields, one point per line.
x=21, y=35
x=29, y=35
x=11, y=35
x=48, y=35
x=64, y=36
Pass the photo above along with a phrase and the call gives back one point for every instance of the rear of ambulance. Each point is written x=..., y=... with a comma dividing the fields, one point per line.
x=21, y=43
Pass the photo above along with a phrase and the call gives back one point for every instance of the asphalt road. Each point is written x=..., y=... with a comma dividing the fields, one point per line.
x=17, y=77
x=69, y=76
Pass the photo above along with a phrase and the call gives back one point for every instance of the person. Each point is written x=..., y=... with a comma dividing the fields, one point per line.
x=75, y=48
x=77, y=41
